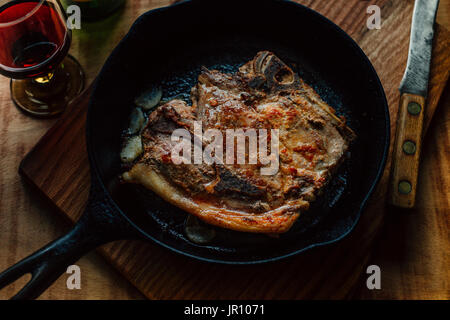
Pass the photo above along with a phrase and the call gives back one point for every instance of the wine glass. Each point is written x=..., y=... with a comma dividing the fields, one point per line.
x=34, y=42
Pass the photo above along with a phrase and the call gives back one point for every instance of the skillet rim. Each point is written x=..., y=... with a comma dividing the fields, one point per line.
x=351, y=43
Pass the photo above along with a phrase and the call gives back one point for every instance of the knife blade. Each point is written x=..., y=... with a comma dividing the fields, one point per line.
x=414, y=90
x=415, y=79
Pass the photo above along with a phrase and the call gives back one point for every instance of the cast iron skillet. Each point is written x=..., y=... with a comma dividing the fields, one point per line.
x=167, y=47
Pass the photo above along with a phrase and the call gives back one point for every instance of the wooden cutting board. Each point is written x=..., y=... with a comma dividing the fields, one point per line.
x=59, y=168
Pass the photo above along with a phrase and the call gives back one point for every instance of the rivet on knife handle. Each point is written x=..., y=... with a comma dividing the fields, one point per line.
x=406, y=156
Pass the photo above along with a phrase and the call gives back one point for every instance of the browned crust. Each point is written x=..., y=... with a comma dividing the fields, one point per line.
x=278, y=220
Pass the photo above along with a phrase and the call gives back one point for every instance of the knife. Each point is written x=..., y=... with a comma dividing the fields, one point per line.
x=413, y=90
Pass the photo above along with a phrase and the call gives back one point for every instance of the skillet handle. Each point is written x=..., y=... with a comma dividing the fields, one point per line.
x=97, y=226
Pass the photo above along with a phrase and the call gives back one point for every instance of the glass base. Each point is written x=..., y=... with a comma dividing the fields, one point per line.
x=48, y=97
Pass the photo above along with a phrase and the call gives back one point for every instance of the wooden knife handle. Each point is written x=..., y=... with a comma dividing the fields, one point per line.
x=407, y=147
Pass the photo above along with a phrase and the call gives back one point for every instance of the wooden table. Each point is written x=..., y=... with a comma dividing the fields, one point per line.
x=421, y=271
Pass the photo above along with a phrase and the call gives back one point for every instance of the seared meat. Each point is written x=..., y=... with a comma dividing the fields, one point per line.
x=264, y=94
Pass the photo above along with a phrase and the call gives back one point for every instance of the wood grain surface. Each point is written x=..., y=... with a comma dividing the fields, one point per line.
x=413, y=248
x=415, y=267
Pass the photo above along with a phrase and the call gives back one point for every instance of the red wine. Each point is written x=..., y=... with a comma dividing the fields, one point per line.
x=31, y=45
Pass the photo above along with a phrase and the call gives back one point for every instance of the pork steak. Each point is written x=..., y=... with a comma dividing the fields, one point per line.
x=264, y=94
